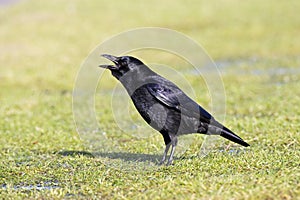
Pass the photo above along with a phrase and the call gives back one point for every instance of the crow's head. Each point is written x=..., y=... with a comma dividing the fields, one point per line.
x=122, y=64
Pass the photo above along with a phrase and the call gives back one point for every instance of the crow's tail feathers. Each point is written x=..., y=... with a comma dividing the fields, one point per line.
x=228, y=134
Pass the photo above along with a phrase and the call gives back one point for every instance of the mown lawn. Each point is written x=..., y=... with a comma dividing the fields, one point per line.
x=42, y=46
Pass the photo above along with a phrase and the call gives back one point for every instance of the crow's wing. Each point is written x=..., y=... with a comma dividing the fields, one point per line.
x=173, y=97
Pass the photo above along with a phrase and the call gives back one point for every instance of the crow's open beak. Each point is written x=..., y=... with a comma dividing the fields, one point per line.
x=114, y=59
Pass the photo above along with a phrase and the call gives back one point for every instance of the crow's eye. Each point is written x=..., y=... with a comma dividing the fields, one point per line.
x=124, y=62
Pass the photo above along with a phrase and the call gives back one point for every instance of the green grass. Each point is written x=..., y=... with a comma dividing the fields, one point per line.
x=42, y=45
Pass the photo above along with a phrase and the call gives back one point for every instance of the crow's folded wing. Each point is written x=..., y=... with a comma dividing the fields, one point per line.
x=173, y=97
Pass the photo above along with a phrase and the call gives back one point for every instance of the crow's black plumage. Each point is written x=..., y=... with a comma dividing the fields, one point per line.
x=163, y=105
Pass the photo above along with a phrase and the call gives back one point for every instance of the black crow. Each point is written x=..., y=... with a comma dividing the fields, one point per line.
x=163, y=105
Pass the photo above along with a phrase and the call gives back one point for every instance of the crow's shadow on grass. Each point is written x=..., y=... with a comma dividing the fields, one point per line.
x=138, y=157
x=75, y=153
x=125, y=156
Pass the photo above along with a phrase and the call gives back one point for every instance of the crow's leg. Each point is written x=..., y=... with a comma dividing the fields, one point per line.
x=165, y=153
x=174, y=143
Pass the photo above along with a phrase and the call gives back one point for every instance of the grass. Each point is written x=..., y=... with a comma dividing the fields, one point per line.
x=42, y=46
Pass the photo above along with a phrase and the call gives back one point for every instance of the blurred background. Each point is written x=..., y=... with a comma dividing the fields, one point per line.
x=44, y=43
